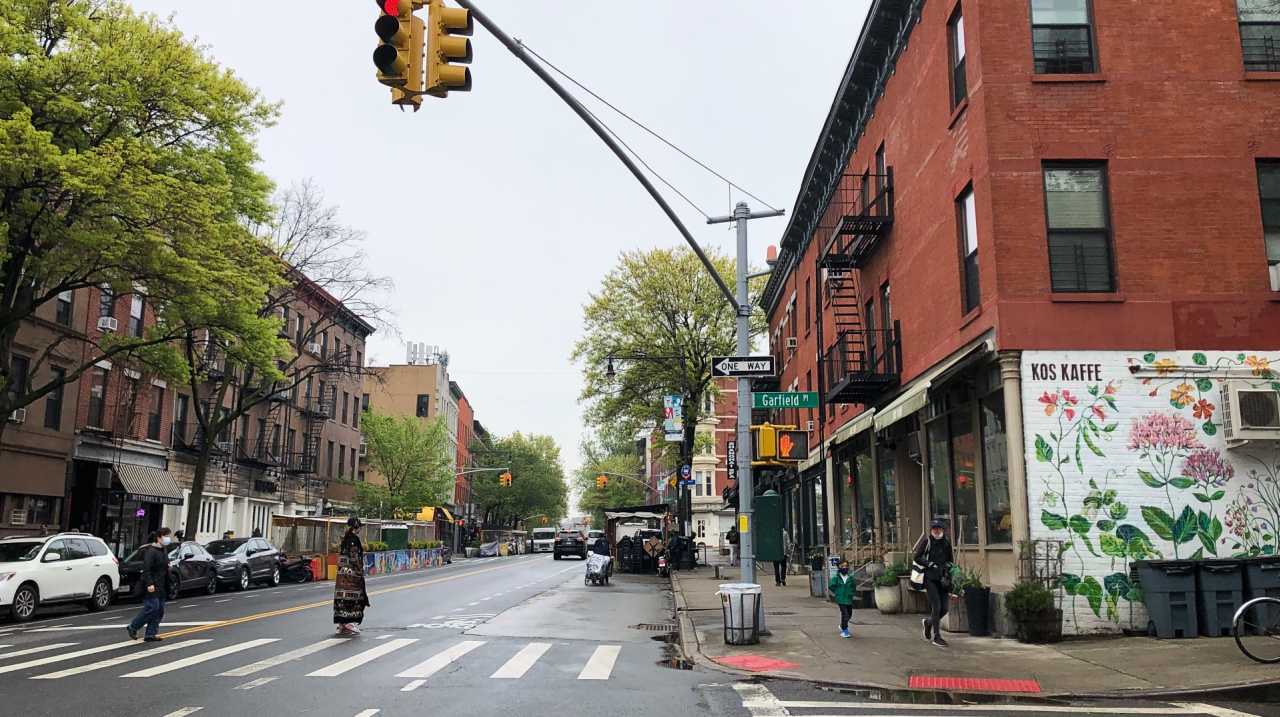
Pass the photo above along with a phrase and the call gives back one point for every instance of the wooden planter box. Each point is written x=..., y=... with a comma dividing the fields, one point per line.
x=957, y=618
x=912, y=602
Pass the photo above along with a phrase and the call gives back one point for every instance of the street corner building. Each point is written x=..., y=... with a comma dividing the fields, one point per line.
x=1033, y=272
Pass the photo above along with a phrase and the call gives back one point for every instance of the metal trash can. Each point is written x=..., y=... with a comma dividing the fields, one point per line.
x=1169, y=592
x=1221, y=594
x=817, y=584
x=740, y=605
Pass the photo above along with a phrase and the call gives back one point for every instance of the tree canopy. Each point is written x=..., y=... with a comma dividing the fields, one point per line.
x=415, y=460
x=127, y=160
x=538, y=486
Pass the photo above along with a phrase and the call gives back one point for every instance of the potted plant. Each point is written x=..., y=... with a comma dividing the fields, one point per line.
x=888, y=593
x=1031, y=609
x=974, y=598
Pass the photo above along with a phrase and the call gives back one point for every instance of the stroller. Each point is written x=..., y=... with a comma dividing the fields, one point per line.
x=599, y=568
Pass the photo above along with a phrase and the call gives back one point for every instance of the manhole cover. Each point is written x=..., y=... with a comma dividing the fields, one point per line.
x=653, y=627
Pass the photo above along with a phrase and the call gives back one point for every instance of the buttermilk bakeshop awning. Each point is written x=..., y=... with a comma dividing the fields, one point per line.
x=148, y=485
x=916, y=395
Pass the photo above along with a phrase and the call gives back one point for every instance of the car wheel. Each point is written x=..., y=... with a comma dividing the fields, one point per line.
x=25, y=601
x=555, y=556
x=275, y=576
x=100, y=599
x=175, y=587
x=243, y=583
x=212, y=586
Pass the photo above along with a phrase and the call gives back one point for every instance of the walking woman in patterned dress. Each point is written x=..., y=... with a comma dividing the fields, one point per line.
x=349, y=595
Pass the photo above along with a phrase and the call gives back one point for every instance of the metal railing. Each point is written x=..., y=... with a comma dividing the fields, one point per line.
x=862, y=363
x=859, y=213
x=1260, y=44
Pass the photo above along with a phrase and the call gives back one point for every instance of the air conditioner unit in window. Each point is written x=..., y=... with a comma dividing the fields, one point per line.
x=18, y=416
x=1249, y=413
x=108, y=323
x=792, y=342
x=364, y=449
x=313, y=348
x=810, y=426
x=1274, y=269
x=17, y=517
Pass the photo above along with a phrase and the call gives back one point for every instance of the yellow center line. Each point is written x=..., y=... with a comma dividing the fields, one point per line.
x=323, y=603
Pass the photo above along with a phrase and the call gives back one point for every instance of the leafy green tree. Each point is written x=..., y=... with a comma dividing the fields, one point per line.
x=413, y=458
x=126, y=160
x=538, y=486
x=617, y=492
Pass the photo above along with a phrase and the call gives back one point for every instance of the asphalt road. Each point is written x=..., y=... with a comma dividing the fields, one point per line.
x=518, y=635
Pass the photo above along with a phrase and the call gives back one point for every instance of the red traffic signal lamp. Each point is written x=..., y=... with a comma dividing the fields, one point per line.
x=447, y=31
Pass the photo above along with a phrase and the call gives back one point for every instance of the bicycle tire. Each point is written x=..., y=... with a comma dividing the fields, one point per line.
x=1247, y=624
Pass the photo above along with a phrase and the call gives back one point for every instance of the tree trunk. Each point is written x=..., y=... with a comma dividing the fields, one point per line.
x=191, y=527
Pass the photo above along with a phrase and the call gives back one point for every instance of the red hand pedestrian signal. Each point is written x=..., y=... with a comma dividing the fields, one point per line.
x=785, y=445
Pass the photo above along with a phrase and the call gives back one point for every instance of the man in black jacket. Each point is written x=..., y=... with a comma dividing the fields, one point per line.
x=155, y=580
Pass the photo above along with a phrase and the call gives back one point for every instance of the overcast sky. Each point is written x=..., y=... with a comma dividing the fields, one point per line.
x=496, y=212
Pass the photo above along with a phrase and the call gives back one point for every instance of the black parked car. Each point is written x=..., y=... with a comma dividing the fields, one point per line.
x=244, y=561
x=191, y=567
x=570, y=542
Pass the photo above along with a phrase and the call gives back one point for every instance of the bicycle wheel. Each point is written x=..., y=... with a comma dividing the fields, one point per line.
x=1257, y=630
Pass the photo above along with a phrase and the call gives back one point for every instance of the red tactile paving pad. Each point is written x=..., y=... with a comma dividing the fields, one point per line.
x=972, y=684
x=755, y=663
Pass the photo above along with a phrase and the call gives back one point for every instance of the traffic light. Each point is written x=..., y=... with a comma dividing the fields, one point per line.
x=447, y=32
x=505, y=479
x=399, y=55
x=602, y=482
x=793, y=445
x=764, y=442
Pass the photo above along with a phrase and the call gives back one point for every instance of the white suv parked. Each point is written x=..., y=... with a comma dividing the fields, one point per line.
x=62, y=568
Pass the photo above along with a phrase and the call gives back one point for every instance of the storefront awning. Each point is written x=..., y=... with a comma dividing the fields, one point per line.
x=916, y=396
x=148, y=485
x=448, y=516
x=860, y=423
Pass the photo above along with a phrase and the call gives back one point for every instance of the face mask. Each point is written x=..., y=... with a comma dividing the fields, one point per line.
x=166, y=540
x=937, y=534
x=844, y=571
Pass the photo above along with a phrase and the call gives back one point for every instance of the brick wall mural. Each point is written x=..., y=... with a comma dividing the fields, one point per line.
x=1127, y=460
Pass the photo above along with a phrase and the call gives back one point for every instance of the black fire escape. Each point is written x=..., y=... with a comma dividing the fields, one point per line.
x=863, y=360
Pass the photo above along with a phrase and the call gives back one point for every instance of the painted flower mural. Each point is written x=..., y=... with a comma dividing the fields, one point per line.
x=1135, y=467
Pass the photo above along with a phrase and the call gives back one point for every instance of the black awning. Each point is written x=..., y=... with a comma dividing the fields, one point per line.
x=148, y=485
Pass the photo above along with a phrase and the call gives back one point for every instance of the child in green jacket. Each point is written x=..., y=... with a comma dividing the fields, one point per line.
x=841, y=587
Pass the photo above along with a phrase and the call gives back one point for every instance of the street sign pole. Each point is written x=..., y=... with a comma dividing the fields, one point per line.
x=741, y=215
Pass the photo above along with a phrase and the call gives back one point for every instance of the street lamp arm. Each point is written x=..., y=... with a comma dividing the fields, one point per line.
x=479, y=470
x=518, y=50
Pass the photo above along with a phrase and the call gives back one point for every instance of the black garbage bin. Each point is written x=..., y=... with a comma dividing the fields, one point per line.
x=1169, y=592
x=1262, y=577
x=1221, y=594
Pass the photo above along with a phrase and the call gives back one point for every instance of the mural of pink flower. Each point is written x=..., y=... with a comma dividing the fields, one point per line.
x=1101, y=414
x=1208, y=468
x=1111, y=388
x=1051, y=402
x=1066, y=396
x=1070, y=413
x=1162, y=432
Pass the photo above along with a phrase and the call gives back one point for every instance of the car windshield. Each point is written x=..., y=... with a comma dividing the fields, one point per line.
x=223, y=547
x=18, y=551
x=543, y=534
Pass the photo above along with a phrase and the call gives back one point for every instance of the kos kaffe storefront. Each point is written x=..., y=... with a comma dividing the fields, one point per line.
x=122, y=503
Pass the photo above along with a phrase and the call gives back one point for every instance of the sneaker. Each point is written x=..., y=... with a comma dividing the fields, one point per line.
x=927, y=632
x=939, y=641
x=133, y=634
x=845, y=633
x=153, y=638
x=353, y=629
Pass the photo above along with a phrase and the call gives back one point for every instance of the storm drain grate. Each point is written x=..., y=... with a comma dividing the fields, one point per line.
x=653, y=627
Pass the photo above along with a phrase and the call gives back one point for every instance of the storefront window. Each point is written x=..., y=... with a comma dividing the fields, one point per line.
x=888, y=495
x=844, y=479
x=964, y=457
x=866, y=494
x=995, y=469
x=939, y=471
x=819, y=512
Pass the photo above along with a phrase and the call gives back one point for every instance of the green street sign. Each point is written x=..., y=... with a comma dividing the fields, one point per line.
x=772, y=400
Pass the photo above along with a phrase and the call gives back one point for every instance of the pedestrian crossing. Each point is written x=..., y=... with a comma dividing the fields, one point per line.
x=404, y=658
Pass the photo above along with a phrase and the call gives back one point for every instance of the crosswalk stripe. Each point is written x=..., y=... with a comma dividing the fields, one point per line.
x=203, y=657
x=118, y=660
x=34, y=650
x=257, y=683
x=524, y=659
x=367, y=713
x=355, y=661
x=270, y=662
x=65, y=656
x=440, y=660
x=413, y=685
x=184, y=711
x=600, y=666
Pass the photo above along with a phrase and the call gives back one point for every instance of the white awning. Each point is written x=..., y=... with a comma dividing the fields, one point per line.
x=916, y=395
x=860, y=423
x=610, y=515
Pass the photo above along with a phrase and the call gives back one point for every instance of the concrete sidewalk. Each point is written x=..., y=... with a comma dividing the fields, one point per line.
x=886, y=651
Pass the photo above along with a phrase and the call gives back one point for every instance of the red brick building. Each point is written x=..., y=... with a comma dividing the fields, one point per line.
x=1001, y=187
x=466, y=432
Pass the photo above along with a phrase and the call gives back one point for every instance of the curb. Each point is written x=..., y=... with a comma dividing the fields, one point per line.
x=691, y=648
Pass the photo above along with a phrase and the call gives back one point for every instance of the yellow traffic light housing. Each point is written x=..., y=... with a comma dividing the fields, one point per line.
x=505, y=479
x=602, y=482
x=765, y=445
x=447, y=32
x=399, y=55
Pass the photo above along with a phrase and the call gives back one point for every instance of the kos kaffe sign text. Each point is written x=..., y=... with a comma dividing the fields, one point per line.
x=772, y=400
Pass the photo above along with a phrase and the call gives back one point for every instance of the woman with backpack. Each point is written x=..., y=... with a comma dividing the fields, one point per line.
x=933, y=553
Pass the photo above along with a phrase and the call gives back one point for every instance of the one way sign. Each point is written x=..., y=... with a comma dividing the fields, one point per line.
x=742, y=366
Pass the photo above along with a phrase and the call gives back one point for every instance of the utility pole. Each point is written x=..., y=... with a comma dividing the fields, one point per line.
x=746, y=490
